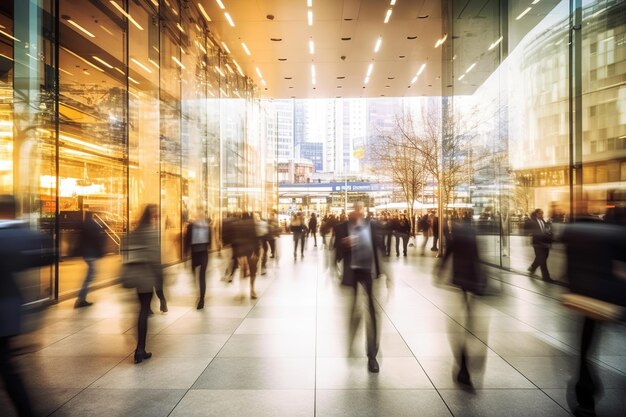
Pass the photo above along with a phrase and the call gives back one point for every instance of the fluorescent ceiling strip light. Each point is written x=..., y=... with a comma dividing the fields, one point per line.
x=392, y=3
x=313, y=71
x=225, y=47
x=133, y=80
x=120, y=71
x=309, y=3
x=11, y=59
x=496, y=43
x=536, y=1
x=310, y=17
x=245, y=48
x=258, y=71
x=230, y=19
x=222, y=91
x=219, y=3
x=155, y=2
x=103, y=62
x=106, y=30
x=422, y=68
x=82, y=59
x=67, y=72
x=598, y=12
x=204, y=13
x=229, y=68
x=263, y=82
x=180, y=64
x=369, y=69
x=174, y=10
x=379, y=41
x=441, y=41
x=219, y=71
x=145, y=68
x=153, y=63
x=238, y=68
x=180, y=27
x=388, y=16
x=471, y=67
x=523, y=13
x=202, y=48
x=82, y=143
x=311, y=46
x=366, y=80
x=128, y=16
x=461, y=77
x=77, y=26
x=12, y=37
x=414, y=80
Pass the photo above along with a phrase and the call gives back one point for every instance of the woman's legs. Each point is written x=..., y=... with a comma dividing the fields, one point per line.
x=142, y=322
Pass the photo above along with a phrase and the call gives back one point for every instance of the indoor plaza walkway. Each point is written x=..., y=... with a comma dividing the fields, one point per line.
x=287, y=354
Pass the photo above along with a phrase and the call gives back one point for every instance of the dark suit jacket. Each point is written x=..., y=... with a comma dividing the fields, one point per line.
x=345, y=252
x=539, y=237
x=466, y=271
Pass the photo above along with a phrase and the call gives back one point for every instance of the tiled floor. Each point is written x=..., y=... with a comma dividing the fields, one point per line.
x=287, y=353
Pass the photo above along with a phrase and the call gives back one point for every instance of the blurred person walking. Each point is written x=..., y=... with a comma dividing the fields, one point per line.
x=246, y=245
x=541, y=241
x=434, y=222
x=425, y=227
x=274, y=232
x=263, y=236
x=313, y=228
x=356, y=244
x=467, y=276
x=403, y=232
x=594, y=249
x=298, y=229
x=144, y=270
x=20, y=248
x=92, y=248
x=198, y=243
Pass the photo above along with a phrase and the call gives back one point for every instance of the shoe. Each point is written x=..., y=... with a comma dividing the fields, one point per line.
x=404, y=253
x=263, y=271
x=163, y=308
x=302, y=256
x=200, y=305
x=272, y=256
x=580, y=411
x=463, y=377
x=150, y=312
x=253, y=295
x=140, y=356
x=531, y=271
x=434, y=249
x=547, y=279
x=372, y=365
x=82, y=303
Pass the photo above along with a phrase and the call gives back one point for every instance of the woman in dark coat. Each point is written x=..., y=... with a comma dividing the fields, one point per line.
x=144, y=250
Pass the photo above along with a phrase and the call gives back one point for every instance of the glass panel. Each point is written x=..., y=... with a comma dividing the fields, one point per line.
x=92, y=136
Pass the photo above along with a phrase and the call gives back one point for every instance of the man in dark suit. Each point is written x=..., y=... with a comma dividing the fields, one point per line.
x=355, y=243
x=198, y=243
x=541, y=240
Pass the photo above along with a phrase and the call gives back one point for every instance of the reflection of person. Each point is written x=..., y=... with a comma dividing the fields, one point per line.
x=198, y=242
x=246, y=245
x=467, y=276
x=541, y=240
x=355, y=243
x=92, y=248
x=313, y=228
x=18, y=244
x=144, y=249
x=592, y=249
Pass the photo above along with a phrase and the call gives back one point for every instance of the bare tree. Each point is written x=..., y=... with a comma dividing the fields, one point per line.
x=392, y=153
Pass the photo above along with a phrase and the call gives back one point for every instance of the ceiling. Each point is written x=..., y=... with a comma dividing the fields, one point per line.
x=340, y=65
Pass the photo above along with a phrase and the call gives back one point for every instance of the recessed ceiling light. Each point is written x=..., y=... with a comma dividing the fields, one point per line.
x=291, y=86
x=401, y=56
x=423, y=17
x=276, y=39
x=338, y=86
x=341, y=78
x=347, y=19
x=282, y=59
x=391, y=78
x=288, y=78
x=411, y=37
x=346, y=39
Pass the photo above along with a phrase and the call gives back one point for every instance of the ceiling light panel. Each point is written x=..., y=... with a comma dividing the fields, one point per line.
x=230, y=19
x=245, y=48
x=219, y=3
x=127, y=15
x=388, y=16
x=379, y=41
x=203, y=12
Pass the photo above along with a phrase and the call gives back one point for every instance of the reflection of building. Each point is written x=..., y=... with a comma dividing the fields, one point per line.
x=313, y=151
x=295, y=172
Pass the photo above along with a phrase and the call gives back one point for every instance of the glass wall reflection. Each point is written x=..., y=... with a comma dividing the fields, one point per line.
x=534, y=144
x=131, y=114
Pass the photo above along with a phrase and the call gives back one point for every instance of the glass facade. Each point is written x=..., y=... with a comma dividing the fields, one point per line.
x=106, y=106
x=539, y=88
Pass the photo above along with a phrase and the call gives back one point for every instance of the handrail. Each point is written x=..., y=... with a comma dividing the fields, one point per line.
x=109, y=230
